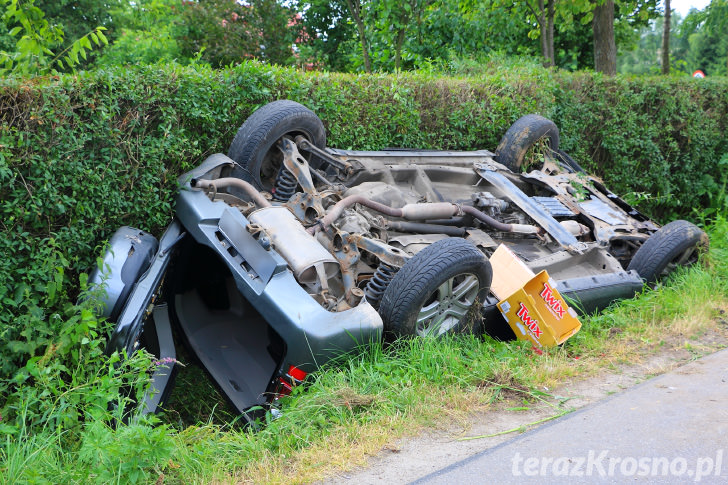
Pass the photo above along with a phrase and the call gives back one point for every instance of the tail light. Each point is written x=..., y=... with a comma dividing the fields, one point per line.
x=288, y=381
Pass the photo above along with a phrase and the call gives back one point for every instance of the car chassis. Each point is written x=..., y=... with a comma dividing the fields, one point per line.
x=286, y=254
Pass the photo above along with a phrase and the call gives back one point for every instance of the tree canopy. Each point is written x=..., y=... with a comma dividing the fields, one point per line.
x=366, y=35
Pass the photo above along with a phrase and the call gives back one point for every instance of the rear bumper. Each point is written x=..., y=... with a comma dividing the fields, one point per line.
x=312, y=334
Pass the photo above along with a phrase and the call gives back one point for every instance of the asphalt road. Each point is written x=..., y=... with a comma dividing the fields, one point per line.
x=669, y=429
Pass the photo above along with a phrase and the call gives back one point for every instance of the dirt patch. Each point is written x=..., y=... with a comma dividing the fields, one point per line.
x=408, y=459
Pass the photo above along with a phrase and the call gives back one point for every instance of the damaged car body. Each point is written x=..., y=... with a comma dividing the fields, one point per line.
x=285, y=254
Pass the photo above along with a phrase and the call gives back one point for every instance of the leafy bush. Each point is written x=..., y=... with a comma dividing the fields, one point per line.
x=70, y=391
x=32, y=52
x=660, y=137
x=131, y=452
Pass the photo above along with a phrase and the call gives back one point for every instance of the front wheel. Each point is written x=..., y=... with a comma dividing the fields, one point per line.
x=678, y=243
x=434, y=291
x=522, y=136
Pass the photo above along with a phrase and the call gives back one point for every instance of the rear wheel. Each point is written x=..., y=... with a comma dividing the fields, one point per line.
x=678, y=243
x=254, y=146
x=433, y=293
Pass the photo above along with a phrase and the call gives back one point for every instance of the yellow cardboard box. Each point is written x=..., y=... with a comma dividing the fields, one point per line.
x=531, y=304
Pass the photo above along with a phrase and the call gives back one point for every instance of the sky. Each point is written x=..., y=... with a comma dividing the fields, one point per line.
x=684, y=6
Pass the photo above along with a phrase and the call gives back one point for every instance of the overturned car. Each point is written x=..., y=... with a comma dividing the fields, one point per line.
x=285, y=254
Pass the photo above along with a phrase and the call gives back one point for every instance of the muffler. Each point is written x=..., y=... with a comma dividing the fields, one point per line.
x=308, y=259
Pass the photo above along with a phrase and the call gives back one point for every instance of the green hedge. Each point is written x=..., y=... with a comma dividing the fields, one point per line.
x=82, y=155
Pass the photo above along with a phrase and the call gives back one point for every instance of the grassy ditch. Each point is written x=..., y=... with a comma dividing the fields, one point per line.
x=357, y=406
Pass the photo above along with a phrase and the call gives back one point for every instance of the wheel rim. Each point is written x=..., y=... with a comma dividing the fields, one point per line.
x=686, y=258
x=447, y=305
x=534, y=158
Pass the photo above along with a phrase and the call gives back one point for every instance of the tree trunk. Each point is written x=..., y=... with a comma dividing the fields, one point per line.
x=550, y=30
x=355, y=9
x=666, y=40
x=402, y=22
x=605, y=48
x=398, y=49
x=545, y=25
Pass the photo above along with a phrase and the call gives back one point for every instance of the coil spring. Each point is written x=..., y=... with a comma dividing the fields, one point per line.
x=378, y=283
x=285, y=185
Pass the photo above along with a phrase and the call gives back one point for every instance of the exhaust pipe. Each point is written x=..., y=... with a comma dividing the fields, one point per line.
x=420, y=212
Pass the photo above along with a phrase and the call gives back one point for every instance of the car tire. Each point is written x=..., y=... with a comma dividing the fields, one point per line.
x=433, y=292
x=521, y=136
x=678, y=243
x=253, y=147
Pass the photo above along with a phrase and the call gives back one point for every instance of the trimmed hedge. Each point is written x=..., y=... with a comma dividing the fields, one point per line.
x=82, y=155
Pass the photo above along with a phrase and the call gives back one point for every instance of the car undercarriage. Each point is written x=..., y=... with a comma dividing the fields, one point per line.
x=286, y=254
